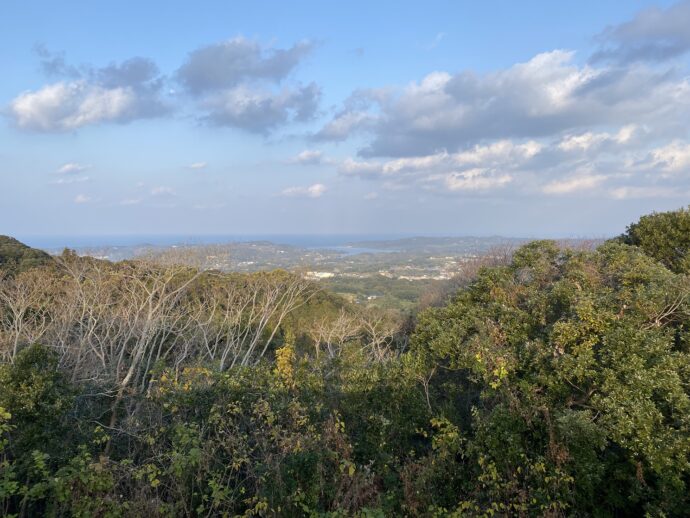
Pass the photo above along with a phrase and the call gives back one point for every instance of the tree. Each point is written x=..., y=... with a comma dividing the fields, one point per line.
x=38, y=396
x=664, y=236
x=16, y=257
x=579, y=362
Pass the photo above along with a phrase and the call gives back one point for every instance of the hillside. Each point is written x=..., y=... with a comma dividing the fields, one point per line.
x=554, y=382
x=17, y=257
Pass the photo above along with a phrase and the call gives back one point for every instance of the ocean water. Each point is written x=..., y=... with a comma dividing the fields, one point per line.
x=338, y=241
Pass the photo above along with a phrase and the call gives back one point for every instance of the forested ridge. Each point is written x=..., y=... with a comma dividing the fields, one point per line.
x=553, y=382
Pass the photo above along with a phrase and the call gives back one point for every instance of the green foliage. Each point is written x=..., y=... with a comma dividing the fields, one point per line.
x=580, y=362
x=16, y=257
x=664, y=236
x=385, y=292
x=557, y=384
x=38, y=396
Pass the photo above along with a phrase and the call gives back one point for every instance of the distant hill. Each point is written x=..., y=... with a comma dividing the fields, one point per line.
x=428, y=244
x=17, y=257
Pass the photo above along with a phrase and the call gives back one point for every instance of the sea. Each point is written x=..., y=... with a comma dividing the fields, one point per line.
x=340, y=242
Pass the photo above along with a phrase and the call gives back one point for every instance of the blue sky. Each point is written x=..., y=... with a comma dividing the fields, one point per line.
x=468, y=118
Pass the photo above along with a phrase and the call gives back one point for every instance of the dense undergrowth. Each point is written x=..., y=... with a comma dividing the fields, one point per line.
x=557, y=384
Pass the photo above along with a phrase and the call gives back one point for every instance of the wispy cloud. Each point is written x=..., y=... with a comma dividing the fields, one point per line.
x=197, y=165
x=162, y=191
x=72, y=168
x=313, y=191
x=580, y=183
x=653, y=35
x=70, y=180
x=436, y=41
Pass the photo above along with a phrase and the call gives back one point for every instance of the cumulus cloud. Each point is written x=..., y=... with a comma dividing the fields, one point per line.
x=482, y=168
x=118, y=93
x=227, y=64
x=313, y=191
x=308, y=157
x=654, y=34
x=362, y=168
x=238, y=83
x=545, y=96
x=355, y=116
x=474, y=180
x=261, y=111
x=54, y=64
x=613, y=126
x=589, y=140
x=501, y=155
x=611, y=164
x=344, y=125
x=672, y=158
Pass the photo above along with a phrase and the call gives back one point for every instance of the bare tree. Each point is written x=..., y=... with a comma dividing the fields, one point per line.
x=331, y=334
x=378, y=329
x=238, y=319
x=24, y=311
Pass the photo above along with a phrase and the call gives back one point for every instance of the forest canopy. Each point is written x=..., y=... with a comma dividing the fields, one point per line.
x=17, y=257
x=554, y=383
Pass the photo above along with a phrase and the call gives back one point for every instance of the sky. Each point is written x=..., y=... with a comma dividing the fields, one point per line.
x=533, y=119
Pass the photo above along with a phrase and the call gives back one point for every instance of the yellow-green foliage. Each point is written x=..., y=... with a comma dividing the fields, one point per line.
x=556, y=385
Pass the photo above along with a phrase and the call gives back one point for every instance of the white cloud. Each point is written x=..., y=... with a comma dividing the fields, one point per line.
x=498, y=153
x=475, y=180
x=87, y=95
x=197, y=165
x=131, y=201
x=634, y=192
x=82, y=198
x=162, y=191
x=308, y=157
x=672, y=158
x=654, y=34
x=313, y=191
x=548, y=96
x=436, y=41
x=67, y=106
x=620, y=163
x=570, y=185
x=565, y=166
x=259, y=110
x=414, y=163
x=371, y=196
x=477, y=169
x=237, y=83
x=229, y=63
x=590, y=140
x=343, y=125
x=360, y=168
x=70, y=180
x=71, y=168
